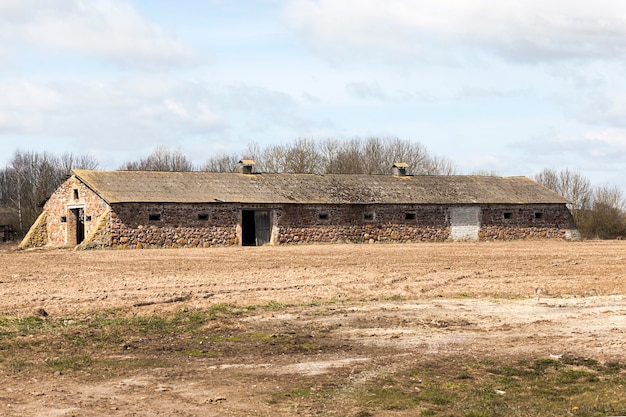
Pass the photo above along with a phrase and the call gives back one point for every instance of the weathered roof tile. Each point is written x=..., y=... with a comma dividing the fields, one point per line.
x=202, y=187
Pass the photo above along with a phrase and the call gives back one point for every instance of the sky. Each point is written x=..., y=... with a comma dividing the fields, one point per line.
x=509, y=87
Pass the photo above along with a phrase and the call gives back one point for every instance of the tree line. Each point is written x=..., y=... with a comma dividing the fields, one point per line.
x=599, y=211
x=31, y=177
x=309, y=156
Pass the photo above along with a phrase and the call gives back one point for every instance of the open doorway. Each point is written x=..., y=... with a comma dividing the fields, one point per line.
x=76, y=229
x=255, y=227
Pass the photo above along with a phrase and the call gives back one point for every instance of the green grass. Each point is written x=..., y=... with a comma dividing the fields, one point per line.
x=542, y=387
x=113, y=342
x=274, y=305
x=85, y=342
x=243, y=337
x=71, y=362
x=75, y=343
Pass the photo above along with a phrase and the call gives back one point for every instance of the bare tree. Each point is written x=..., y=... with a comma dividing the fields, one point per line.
x=570, y=184
x=485, y=173
x=69, y=161
x=30, y=178
x=374, y=156
x=161, y=159
x=355, y=156
x=349, y=158
x=609, y=196
x=222, y=163
x=302, y=157
x=328, y=154
x=607, y=219
x=598, y=212
x=273, y=159
x=441, y=165
x=549, y=178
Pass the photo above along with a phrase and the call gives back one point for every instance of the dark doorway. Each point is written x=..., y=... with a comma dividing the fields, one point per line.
x=248, y=236
x=79, y=221
x=255, y=227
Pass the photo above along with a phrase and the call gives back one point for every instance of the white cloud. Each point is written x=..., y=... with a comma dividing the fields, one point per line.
x=389, y=94
x=598, y=107
x=111, y=30
x=132, y=112
x=14, y=122
x=602, y=149
x=23, y=94
x=615, y=138
x=448, y=30
x=254, y=97
x=23, y=105
x=366, y=91
x=490, y=92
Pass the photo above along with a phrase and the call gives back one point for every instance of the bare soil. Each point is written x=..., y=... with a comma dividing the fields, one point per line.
x=338, y=315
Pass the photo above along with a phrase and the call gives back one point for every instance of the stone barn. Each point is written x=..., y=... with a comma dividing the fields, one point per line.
x=147, y=209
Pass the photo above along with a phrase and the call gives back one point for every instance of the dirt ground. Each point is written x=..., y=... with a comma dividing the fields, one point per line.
x=370, y=309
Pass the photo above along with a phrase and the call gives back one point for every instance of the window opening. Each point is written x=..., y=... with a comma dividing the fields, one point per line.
x=203, y=217
x=508, y=215
x=368, y=216
x=409, y=216
x=154, y=217
x=87, y=218
x=538, y=215
x=75, y=194
x=63, y=219
x=323, y=216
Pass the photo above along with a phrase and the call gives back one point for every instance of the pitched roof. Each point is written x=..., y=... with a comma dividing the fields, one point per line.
x=205, y=187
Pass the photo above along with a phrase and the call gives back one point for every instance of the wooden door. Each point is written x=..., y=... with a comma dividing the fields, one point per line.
x=262, y=227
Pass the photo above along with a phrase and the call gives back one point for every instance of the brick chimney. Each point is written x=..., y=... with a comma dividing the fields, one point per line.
x=246, y=166
x=399, y=169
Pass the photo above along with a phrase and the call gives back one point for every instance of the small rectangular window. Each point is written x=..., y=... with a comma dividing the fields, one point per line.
x=87, y=218
x=368, y=216
x=203, y=217
x=63, y=219
x=409, y=216
x=75, y=194
x=508, y=215
x=538, y=215
x=154, y=217
x=323, y=216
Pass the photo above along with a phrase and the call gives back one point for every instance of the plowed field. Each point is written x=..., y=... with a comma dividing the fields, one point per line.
x=282, y=330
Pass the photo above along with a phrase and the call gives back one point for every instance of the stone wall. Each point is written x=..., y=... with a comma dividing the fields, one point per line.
x=537, y=215
x=413, y=223
x=540, y=221
x=361, y=223
x=516, y=233
x=302, y=215
x=381, y=233
x=60, y=218
x=169, y=225
x=136, y=225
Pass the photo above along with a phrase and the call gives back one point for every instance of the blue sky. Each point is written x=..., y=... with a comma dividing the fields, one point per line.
x=503, y=86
